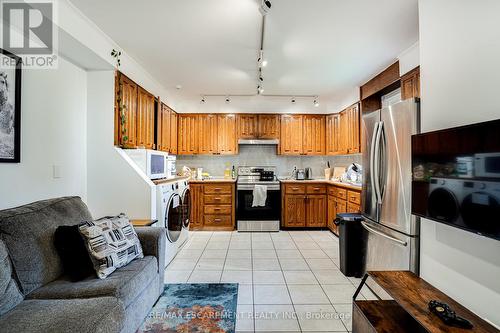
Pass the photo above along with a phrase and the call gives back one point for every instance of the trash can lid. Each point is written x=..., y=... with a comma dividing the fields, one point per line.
x=350, y=216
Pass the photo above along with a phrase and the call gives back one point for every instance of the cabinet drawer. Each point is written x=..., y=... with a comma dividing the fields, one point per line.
x=223, y=199
x=332, y=190
x=217, y=188
x=295, y=189
x=354, y=197
x=218, y=220
x=217, y=210
x=316, y=189
x=341, y=193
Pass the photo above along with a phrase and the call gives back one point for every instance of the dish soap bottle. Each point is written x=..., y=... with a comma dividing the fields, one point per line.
x=233, y=173
x=227, y=172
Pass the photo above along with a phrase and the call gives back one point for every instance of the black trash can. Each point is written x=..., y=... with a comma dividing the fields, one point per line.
x=351, y=244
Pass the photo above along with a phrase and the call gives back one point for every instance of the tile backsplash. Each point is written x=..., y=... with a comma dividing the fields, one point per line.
x=264, y=156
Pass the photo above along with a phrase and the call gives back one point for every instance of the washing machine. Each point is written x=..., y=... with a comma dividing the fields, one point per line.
x=185, y=196
x=170, y=217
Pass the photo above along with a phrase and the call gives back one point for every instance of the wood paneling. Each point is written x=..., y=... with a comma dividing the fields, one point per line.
x=247, y=126
x=314, y=135
x=381, y=81
x=227, y=136
x=291, y=134
x=188, y=134
x=410, y=84
x=269, y=126
x=207, y=134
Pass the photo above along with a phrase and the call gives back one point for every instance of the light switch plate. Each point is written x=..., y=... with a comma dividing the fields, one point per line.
x=56, y=171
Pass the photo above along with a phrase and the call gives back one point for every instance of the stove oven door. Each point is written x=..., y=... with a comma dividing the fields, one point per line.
x=245, y=212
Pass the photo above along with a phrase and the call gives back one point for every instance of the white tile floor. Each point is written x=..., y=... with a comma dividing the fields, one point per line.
x=288, y=281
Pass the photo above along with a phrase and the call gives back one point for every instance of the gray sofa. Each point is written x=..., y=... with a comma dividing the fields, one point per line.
x=49, y=301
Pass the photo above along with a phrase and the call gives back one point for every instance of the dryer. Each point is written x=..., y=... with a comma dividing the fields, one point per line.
x=185, y=195
x=169, y=211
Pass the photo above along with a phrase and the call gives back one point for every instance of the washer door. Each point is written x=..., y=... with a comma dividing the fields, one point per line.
x=186, y=207
x=173, y=218
x=443, y=205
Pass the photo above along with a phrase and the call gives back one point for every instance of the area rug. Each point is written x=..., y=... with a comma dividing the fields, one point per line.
x=194, y=308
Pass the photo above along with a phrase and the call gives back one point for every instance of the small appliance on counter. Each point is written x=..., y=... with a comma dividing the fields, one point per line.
x=308, y=173
x=300, y=175
x=353, y=175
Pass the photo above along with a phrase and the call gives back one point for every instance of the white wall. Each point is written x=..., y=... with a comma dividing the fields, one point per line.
x=53, y=132
x=409, y=59
x=114, y=186
x=460, y=72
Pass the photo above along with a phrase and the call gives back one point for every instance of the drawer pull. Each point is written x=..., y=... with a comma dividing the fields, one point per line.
x=218, y=199
x=295, y=188
x=217, y=209
x=217, y=220
x=217, y=189
x=316, y=189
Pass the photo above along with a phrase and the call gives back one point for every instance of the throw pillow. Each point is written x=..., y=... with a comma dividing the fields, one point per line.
x=10, y=296
x=73, y=252
x=112, y=243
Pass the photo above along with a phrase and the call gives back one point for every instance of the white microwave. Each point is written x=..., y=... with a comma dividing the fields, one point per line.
x=487, y=165
x=152, y=162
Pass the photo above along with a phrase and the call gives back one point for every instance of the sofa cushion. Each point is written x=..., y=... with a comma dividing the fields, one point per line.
x=10, y=296
x=112, y=243
x=28, y=232
x=125, y=283
x=73, y=253
x=103, y=315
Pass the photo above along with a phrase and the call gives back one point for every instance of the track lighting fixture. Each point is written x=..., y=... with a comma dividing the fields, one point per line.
x=265, y=7
x=228, y=100
x=260, y=90
x=316, y=102
x=294, y=100
x=203, y=100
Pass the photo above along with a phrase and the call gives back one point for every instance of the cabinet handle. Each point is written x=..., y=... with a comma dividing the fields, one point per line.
x=217, y=220
x=316, y=189
x=216, y=209
x=218, y=199
x=295, y=188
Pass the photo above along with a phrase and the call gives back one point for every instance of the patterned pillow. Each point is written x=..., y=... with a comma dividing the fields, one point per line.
x=112, y=243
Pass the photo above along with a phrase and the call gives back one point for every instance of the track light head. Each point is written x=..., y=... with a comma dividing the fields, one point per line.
x=264, y=63
x=260, y=90
x=265, y=7
x=228, y=100
x=316, y=102
x=203, y=100
x=293, y=100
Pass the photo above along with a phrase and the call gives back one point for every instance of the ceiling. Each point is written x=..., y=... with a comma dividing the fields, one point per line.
x=313, y=47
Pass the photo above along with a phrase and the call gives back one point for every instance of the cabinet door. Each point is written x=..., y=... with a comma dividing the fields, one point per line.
x=269, y=126
x=188, y=134
x=295, y=211
x=145, y=119
x=343, y=132
x=410, y=84
x=333, y=134
x=354, y=138
x=207, y=134
x=314, y=136
x=247, y=126
x=316, y=210
x=291, y=135
x=332, y=213
x=196, y=218
x=353, y=208
x=227, y=137
x=128, y=115
x=341, y=205
x=173, y=132
x=163, y=138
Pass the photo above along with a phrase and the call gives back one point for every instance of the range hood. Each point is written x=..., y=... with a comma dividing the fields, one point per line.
x=258, y=142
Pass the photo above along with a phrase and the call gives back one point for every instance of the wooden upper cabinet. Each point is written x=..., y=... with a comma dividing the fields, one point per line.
x=291, y=134
x=227, y=134
x=247, y=126
x=127, y=130
x=354, y=141
x=173, y=132
x=314, y=128
x=343, y=132
x=163, y=129
x=207, y=134
x=269, y=126
x=188, y=134
x=145, y=119
x=410, y=84
x=333, y=134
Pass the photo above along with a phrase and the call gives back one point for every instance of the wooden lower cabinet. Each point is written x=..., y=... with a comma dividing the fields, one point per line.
x=316, y=206
x=303, y=206
x=341, y=200
x=294, y=210
x=332, y=214
x=213, y=206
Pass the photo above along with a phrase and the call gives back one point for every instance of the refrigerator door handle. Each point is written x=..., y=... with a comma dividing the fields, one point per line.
x=383, y=161
x=380, y=233
x=372, y=159
x=376, y=163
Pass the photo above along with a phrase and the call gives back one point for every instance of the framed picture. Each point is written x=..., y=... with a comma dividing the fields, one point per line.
x=10, y=107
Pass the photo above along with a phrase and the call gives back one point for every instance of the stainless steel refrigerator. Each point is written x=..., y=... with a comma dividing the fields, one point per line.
x=392, y=232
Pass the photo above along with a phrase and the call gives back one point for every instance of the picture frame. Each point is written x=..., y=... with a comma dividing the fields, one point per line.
x=10, y=107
